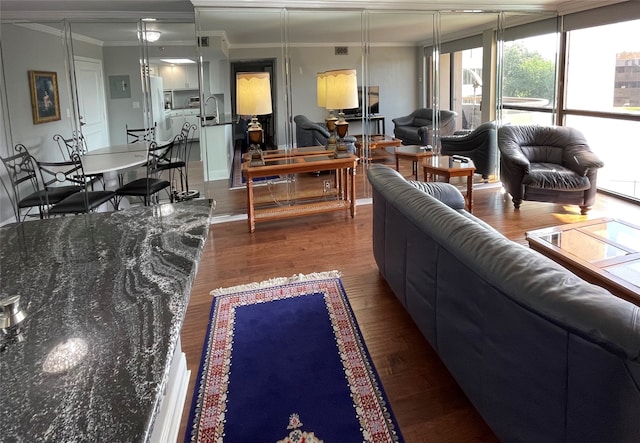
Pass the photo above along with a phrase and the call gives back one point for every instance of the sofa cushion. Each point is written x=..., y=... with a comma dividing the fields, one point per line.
x=554, y=176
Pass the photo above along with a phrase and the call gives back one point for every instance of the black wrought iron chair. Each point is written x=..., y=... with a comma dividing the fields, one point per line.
x=187, y=132
x=26, y=187
x=170, y=157
x=55, y=174
x=76, y=144
x=148, y=187
x=138, y=135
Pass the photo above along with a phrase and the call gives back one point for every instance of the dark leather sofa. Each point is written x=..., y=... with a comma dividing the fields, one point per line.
x=543, y=355
x=417, y=127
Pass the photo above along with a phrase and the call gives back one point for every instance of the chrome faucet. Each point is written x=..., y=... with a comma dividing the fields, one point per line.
x=215, y=114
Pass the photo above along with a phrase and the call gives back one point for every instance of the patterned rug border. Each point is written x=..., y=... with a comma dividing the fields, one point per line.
x=277, y=281
x=330, y=284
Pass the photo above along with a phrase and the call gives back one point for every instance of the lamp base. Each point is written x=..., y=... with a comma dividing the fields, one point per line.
x=341, y=150
x=255, y=156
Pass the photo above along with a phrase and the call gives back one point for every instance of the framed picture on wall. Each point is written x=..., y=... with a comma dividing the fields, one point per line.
x=45, y=101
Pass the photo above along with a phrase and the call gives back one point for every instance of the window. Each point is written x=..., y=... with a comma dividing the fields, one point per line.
x=603, y=74
x=603, y=99
x=529, y=79
x=471, y=87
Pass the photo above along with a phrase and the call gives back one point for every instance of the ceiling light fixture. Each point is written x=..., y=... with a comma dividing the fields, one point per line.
x=178, y=61
x=150, y=36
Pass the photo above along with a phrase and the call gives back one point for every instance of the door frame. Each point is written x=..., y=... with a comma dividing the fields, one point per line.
x=101, y=89
x=259, y=65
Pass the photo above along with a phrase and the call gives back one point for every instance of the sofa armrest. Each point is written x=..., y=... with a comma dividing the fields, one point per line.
x=445, y=192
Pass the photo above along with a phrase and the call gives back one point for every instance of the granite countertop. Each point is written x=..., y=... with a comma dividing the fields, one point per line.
x=111, y=289
x=224, y=119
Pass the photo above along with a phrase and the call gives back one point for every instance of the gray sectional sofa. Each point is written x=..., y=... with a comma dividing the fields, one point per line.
x=543, y=355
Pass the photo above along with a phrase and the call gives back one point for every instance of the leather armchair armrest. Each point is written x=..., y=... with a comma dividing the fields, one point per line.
x=583, y=161
x=517, y=158
x=422, y=130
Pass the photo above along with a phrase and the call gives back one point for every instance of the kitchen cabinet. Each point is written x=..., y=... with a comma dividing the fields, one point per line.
x=179, y=77
x=181, y=116
x=191, y=76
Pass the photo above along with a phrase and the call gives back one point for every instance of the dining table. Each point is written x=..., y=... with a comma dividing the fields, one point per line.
x=112, y=162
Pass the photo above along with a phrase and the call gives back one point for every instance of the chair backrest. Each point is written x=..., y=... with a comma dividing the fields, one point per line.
x=422, y=117
x=139, y=135
x=187, y=132
x=165, y=153
x=66, y=172
x=543, y=144
x=309, y=133
x=74, y=144
x=23, y=177
x=447, y=121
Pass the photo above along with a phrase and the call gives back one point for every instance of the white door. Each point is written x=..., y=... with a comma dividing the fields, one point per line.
x=91, y=102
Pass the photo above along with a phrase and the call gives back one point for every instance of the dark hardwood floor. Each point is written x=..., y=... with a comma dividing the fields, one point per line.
x=428, y=404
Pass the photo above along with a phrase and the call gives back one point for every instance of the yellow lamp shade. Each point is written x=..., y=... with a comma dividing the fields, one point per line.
x=322, y=89
x=253, y=93
x=342, y=89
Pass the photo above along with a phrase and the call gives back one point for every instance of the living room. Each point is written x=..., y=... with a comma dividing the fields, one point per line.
x=428, y=404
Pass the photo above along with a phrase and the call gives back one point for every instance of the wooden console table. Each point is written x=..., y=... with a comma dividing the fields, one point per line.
x=342, y=197
x=446, y=166
x=376, y=141
x=379, y=120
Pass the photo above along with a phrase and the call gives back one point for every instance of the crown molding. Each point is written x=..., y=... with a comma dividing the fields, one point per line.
x=133, y=16
x=411, y=5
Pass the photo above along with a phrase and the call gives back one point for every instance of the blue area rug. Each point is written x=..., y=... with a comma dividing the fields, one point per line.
x=237, y=179
x=284, y=361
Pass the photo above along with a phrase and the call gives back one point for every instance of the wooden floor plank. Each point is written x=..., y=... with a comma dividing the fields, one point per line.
x=428, y=404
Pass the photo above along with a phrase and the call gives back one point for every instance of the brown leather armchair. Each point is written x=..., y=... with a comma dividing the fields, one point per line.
x=417, y=127
x=548, y=163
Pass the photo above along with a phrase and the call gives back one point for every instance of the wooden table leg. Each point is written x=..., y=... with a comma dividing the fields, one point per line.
x=470, y=191
x=250, y=210
x=353, y=190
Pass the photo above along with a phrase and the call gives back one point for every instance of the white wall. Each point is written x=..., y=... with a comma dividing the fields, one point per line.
x=124, y=60
x=25, y=50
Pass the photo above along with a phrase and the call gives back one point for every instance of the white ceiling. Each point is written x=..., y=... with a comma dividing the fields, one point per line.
x=309, y=22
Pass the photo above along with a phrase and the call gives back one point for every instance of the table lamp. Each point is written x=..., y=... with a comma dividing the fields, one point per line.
x=331, y=119
x=341, y=93
x=253, y=97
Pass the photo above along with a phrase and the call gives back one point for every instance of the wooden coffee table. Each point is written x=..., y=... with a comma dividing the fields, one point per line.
x=603, y=251
x=415, y=153
x=376, y=141
x=445, y=166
